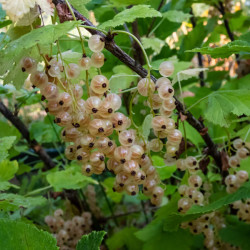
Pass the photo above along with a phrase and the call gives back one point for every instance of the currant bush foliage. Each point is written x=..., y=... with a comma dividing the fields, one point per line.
x=69, y=203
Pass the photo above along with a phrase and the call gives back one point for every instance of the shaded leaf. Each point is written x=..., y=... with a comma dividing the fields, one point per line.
x=8, y=169
x=71, y=178
x=146, y=126
x=17, y=235
x=12, y=202
x=6, y=143
x=225, y=50
x=108, y=185
x=91, y=241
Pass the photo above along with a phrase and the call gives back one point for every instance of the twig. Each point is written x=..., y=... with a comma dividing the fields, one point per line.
x=138, y=53
x=111, y=46
x=221, y=8
x=201, y=74
x=25, y=133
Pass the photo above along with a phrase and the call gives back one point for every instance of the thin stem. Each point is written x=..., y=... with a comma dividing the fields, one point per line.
x=144, y=212
x=108, y=203
x=131, y=109
x=139, y=43
x=248, y=131
x=185, y=137
x=203, y=98
x=93, y=28
x=87, y=82
x=78, y=29
x=126, y=90
x=39, y=190
x=181, y=93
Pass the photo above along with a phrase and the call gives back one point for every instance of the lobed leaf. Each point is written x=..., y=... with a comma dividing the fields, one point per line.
x=91, y=241
x=225, y=50
x=6, y=143
x=71, y=178
x=129, y=15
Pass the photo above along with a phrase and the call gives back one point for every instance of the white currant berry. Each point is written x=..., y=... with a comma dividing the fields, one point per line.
x=195, y=181
x=73, y=71
x=99, y=84
x=85, y=63
x=169, y=104
x=165, y=91
x=96, y=43
x=39, y=79
x=166, y=68
x=242, y=153
x=181, y=164
x=162, y=81
x=238, y=143
x=28, y=64
x=146, y=87
x=97, y=59
x=155, y=145
x=242, y=176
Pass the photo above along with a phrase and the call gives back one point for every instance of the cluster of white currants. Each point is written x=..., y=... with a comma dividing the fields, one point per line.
x=160, y=97
x=88, y=124
x=243, y=208
x=69, y=232
x=241, y=153
x=208, y=225
x=235, y=181
x=90, y=194
x=190, y=193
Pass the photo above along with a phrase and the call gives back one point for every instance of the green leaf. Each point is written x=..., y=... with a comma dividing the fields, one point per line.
x=71, y=178
x=128, y=2
x=129, y=15
x=8, y=130
x=146, y=126
x=176, y=16
x=108, y=185
x=8, y=169
x=15, y=50
x=124, y=238
x=225, y=50
x=164, y=171
x=12, y=202
x=17, y=235
x=236, y=233
x=152, y=42
x=122, y=78
x=91, y=241
x=5, y=185
x=6, y=143
x=174, y=219
x=80, y=6
x=221, y=104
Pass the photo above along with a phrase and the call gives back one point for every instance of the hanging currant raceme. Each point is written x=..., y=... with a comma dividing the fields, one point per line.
x=88, y=124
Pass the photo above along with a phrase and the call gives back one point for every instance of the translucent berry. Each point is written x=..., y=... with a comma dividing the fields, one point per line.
x=115, y=101
x=242, y=176
x=97, y=59
x=169, y=104
x=155, y=145
x=195, y=181
x=127, y=137
x=99, y=84
x=63, y=119
x=73, y=71
x=39, y=79
x=97, y=127
x=175, y=136
x=28, y=64
x=166, y=68
x=234, y=161
x=77, y=91
x=242, y=153
x=165, y=91
x=238, y=143
x=96, y=43
x=85, y=63
x=131, y=167
x=162, y=81
x=92, y=105
x=122, y=154
x=184, y=204
x=145, y=87
x=181, y=164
